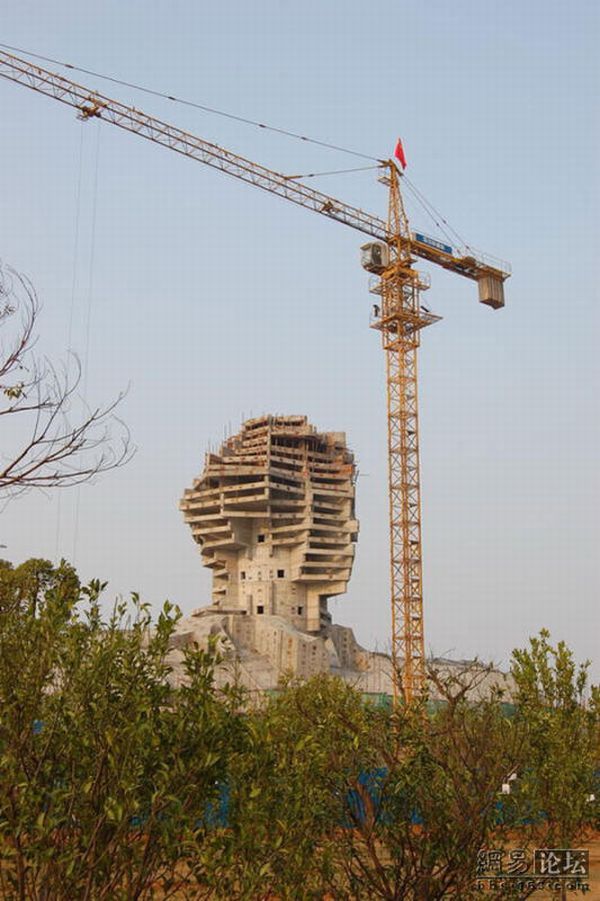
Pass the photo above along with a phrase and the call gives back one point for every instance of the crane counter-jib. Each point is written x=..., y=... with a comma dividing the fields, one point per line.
x=490, y=278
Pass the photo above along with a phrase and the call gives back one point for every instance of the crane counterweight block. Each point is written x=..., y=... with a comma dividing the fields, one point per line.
x=491, y=291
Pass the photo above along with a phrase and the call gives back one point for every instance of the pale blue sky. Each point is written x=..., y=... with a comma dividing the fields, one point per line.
x=215, y=300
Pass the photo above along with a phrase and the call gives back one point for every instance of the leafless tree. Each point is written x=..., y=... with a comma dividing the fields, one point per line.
x=58, y=440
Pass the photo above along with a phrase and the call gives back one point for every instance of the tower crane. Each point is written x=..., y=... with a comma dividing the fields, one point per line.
x=390, y=256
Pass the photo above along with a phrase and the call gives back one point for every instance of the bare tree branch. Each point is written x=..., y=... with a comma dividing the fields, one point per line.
x=63, y=446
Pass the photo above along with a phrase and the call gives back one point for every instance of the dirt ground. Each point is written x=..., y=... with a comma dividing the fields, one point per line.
x=594, y=848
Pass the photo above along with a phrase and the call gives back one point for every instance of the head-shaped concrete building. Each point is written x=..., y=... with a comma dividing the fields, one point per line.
x=273, y=513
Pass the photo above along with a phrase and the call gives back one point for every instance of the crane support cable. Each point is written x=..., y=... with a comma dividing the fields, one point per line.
x=431, y=211
x=334, y=172
x=435, y=215
x=428, y=211
x=92, y=104
x=192, y=103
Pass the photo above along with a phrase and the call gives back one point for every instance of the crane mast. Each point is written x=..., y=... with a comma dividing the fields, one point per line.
x=399, y=319
x=400, y=322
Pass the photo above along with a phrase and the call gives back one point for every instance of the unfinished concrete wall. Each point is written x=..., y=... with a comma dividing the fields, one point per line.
x=273, y=513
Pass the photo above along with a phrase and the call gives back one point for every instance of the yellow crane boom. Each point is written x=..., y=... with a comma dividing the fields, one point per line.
x=400, y=319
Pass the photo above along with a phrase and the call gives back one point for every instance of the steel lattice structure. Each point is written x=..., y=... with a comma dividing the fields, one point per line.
x=400, y=320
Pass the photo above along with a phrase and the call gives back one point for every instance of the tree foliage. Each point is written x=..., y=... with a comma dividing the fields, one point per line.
x=105, y=772
x=559, y=714
x=339, y=798
x=116, y=784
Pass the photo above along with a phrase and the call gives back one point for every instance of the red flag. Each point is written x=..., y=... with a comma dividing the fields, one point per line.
x=399, y=154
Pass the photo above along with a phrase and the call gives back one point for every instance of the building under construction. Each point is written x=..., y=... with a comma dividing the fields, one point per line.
x=273, y=513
